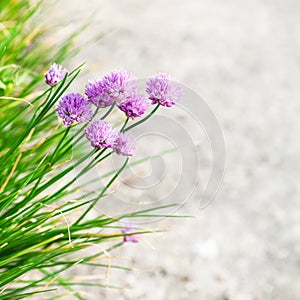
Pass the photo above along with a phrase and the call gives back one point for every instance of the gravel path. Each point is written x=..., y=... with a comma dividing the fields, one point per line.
x=243, y=57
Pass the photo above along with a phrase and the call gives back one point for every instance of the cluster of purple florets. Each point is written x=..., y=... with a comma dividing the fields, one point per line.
x=102, y=135
x=117, y=88
x=55, y=74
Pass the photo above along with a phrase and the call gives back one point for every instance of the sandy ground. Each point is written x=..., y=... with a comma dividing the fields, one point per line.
x=243, y=57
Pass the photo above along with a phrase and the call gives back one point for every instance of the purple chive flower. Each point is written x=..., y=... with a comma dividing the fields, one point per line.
x=163, y=90
x=124, y=144
x=117, y=86
x=55, y=74
x=101, y=134
x=74, y=108
x=129, y=238
x=134, y=106
x=97, y=94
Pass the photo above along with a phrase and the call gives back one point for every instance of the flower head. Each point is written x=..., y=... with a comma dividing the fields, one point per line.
x=129, y=238
x=101, y=134
x=97, y=94
x=124, y=144
x=117, y=86
x=163, y=90
x=74, y=108
x=134, y=106
x=55, y=74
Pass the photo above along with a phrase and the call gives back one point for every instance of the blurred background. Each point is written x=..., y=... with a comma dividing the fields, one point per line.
x=243, y=58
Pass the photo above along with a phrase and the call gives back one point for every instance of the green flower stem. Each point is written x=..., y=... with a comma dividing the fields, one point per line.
x=102, y=193
x=124, y=125
x=99, y=160
x=67, y=130
x=144, y=119
x=92, y=163
x=108, y=112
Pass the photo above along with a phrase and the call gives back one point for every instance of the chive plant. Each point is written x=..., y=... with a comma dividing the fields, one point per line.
x=43, y=219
